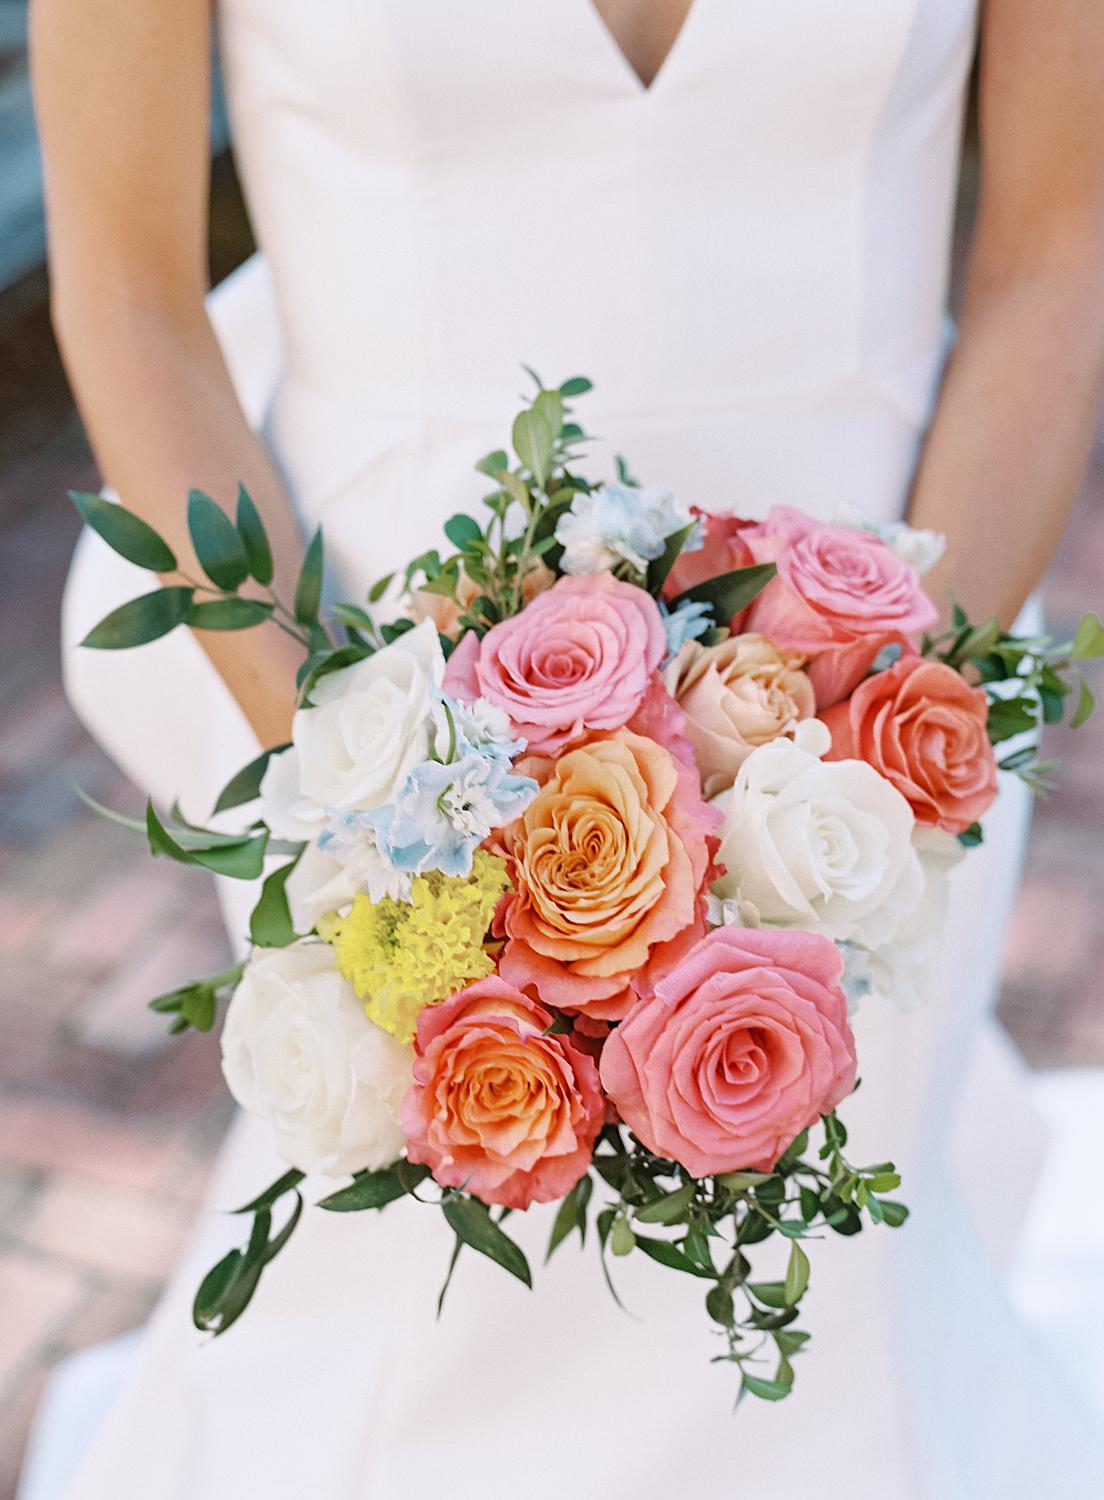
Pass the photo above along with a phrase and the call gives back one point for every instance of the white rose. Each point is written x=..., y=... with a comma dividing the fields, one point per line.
x=370, y=724
x=825, y=846
x=903, y=969
x=299, y=1052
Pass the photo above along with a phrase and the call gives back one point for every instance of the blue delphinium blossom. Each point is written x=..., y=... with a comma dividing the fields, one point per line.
x=482, y=727
x=444, y=812
x=621, y=523
x=686, y=623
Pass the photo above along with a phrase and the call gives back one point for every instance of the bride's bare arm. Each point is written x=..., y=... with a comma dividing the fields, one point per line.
x=122, y=92
x=1015, y=418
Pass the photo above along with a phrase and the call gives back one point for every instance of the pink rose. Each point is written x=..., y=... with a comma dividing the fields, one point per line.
x=745, y=1043
x=496, y=1106
x=724, y=549
x=580, y=657
x=840, y=596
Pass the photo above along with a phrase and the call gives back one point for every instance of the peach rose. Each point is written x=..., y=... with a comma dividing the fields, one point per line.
x=723, y=549
x=839, y=597
x=736, y=696
x=745, y=1043
x=924, y=729
x=608, y=863
x=580, y=657
x=497, y=1106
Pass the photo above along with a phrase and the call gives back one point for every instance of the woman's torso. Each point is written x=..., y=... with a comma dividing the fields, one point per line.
x=749, y=258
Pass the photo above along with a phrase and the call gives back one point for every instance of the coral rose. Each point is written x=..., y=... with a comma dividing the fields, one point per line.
x=736, y=696
x=497, y=1106
x=723, y=549
x=745, y=1043
x=579, y=658
x=924, y=729
x=840, y=597
x=609, y=862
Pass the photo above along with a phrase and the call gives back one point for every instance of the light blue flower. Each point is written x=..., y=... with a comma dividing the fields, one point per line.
x=620, y=523
x=481, y=727
x=444, y=812
x=686, y=623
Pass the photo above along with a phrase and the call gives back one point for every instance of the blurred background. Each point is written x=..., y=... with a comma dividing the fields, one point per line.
x=108, y=1127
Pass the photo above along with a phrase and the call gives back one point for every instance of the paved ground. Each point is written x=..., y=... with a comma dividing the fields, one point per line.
x=107, y=1129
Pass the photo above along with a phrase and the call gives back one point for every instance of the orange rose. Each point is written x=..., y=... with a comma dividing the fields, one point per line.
x=924, y=729
x=608, y=862
x=737, y=695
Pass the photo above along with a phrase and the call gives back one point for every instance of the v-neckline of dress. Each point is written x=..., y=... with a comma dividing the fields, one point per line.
x=641, y=89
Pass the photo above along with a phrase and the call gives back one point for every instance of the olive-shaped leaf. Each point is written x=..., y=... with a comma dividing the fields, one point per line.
x=532, y=440
x=216, y=541
x=140, y=620
x=308, y=591
x=228, y=614
x=125, y=533
x=254, y=539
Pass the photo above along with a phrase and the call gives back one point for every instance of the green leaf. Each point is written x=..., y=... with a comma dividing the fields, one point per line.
x=769, y=1293
x=740, y=1182
x=668, y=1209
x=471, y=1222
x=462, y=531
x=571, y=1215
x=197, y=1006
x=216, y=541
x=308, y=591
x=718, y=1304
x=1085, y=705
x=270, y=924
x=1009, y=717
x=670, y=1255
x=125, y=533
x=797, y=1274
x=731, y=592
x=228, y=614
x=254, y=539
x=893, y=1214
x=578, y=385
x=971, y=837
x=493, y=463
x=282, y=1185
x=660, y=566
x=375, y=1189
x=213, y=1289
x=532, y=440
x=239, y=856
x=245, y=785
x=146, y=618
x=550, y=406
x=766, y=1390
x=1088, y=640
x=379, y=588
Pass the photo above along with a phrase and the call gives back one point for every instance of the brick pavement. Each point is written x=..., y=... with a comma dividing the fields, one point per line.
x=107, y=1128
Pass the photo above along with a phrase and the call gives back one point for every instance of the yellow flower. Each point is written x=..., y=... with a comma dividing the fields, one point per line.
x=401, y=957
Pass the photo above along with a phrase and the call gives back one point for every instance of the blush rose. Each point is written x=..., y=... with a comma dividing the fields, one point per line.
x=496, y=1106
x=745, y=1043
x=735, y=696
x=924, y=729
x=840, y=596
x=579, y=657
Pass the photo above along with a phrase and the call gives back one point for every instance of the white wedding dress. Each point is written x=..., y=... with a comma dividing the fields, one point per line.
x=749, y=259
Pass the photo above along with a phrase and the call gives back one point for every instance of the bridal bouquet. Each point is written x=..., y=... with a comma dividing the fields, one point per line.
x=588, y=835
